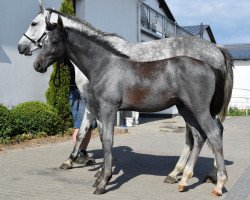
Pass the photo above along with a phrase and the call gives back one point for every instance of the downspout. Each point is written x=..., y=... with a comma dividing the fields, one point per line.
x=139, y=21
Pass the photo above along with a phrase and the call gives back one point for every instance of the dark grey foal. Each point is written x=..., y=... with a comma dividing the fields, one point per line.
x=118, y=83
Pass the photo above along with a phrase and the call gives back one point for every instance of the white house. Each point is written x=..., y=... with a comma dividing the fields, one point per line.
x=241, y=91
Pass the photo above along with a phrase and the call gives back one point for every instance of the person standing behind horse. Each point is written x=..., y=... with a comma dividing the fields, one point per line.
x=78, y=105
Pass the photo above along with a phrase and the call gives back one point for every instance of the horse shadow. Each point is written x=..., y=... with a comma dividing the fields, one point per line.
x=134, y=164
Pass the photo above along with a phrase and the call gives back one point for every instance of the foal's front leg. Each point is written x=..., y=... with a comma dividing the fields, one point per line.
x=108, y=114
x=85, y=126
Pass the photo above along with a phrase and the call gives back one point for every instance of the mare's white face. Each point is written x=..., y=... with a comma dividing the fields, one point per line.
x=35, y=31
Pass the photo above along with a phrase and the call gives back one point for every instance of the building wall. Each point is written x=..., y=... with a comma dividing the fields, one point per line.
x=121, y=20
x=241, y=81
x=19, y=81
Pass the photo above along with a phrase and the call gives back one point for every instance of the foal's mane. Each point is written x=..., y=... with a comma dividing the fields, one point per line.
x=97, y=40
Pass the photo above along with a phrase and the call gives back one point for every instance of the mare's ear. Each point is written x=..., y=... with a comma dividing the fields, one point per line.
x=41, y=6
x=60, y=22
x=49, y=26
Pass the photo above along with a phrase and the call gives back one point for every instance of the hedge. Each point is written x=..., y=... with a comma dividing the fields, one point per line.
x=34, y=117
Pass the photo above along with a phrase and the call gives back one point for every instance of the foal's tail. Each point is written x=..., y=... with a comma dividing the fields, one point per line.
x=224, y=87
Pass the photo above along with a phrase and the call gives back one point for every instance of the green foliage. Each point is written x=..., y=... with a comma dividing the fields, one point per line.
x=67, y=7
x=233, y=111
x=59, y=97
x=6, y=122
x=34, y=117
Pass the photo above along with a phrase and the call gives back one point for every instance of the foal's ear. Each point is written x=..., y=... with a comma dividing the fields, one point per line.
x=60, y=22
x=49, y=26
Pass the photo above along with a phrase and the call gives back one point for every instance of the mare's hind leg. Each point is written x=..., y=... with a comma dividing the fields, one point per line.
x=85, y=126
x=199, y=140
x=172, y=177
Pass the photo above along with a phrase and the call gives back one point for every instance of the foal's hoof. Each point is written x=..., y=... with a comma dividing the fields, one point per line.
x=95, y=184
x=99, y=191
x=170, y=179
x=216, y=193
x=182, y=188
x=209, y=179
x=66, y=165
x=98, y=173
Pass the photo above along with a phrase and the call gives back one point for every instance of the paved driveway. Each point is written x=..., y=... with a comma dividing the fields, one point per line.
x=142, y=159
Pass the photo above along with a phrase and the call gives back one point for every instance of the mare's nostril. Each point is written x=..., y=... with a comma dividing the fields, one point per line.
x=20, y=49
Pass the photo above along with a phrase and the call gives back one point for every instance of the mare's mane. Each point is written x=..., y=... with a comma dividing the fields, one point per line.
x=97, y=40
x=83, y=22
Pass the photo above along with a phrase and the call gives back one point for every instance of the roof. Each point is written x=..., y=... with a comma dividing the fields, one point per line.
x=195, y=30
x=166, y=9
x=239, y=51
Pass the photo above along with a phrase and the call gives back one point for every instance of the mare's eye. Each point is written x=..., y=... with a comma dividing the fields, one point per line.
x=54, y=43
x=33, y=23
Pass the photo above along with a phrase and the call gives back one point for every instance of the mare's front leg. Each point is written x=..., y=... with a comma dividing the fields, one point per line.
x=179, y=167
x=108, y=114
x=85, y=126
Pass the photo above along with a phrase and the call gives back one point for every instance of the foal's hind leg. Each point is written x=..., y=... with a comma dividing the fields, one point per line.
x=199, y=140
x=172, y=177
x=214, y=131
x=85, y=126
x=212, y=175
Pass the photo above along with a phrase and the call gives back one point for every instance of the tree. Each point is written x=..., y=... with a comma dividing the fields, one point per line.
x=58, y=97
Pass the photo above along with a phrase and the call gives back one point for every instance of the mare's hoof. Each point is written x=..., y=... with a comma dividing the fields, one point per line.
x=182, y=188
x=209, y=179
x=66, y=165
x=170, y=179
x=99, y=191
x=216, y=193
x=98, y=173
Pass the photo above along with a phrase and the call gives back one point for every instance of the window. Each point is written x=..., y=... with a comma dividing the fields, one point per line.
x=159, y=24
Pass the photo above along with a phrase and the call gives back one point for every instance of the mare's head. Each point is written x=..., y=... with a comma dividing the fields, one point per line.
x=34, y=32
x=54, y=46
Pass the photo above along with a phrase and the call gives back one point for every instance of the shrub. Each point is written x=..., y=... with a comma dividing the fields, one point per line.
x=6, y=122
x=59, y=97
x=233, y=111
x=34, y=117
x=67, y=7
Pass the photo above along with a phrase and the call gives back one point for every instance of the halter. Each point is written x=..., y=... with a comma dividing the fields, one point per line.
x=37, y=42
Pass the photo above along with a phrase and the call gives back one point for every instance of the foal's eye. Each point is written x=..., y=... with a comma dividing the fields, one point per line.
x=33, y=23
x=54, y=43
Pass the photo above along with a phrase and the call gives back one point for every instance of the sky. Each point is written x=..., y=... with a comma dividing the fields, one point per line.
x=228, y=19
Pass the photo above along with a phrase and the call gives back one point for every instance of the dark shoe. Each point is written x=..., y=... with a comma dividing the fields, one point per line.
x=84, y=159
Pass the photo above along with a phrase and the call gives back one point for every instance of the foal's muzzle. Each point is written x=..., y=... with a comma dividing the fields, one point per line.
x=39, y=67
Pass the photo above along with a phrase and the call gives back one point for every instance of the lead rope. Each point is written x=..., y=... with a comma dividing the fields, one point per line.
x=57, y=75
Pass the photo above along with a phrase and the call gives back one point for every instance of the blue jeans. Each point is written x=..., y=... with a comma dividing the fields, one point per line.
x=78, y=106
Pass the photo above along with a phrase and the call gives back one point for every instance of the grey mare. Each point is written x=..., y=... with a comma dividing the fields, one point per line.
x=147, y=51
x=119, y=83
